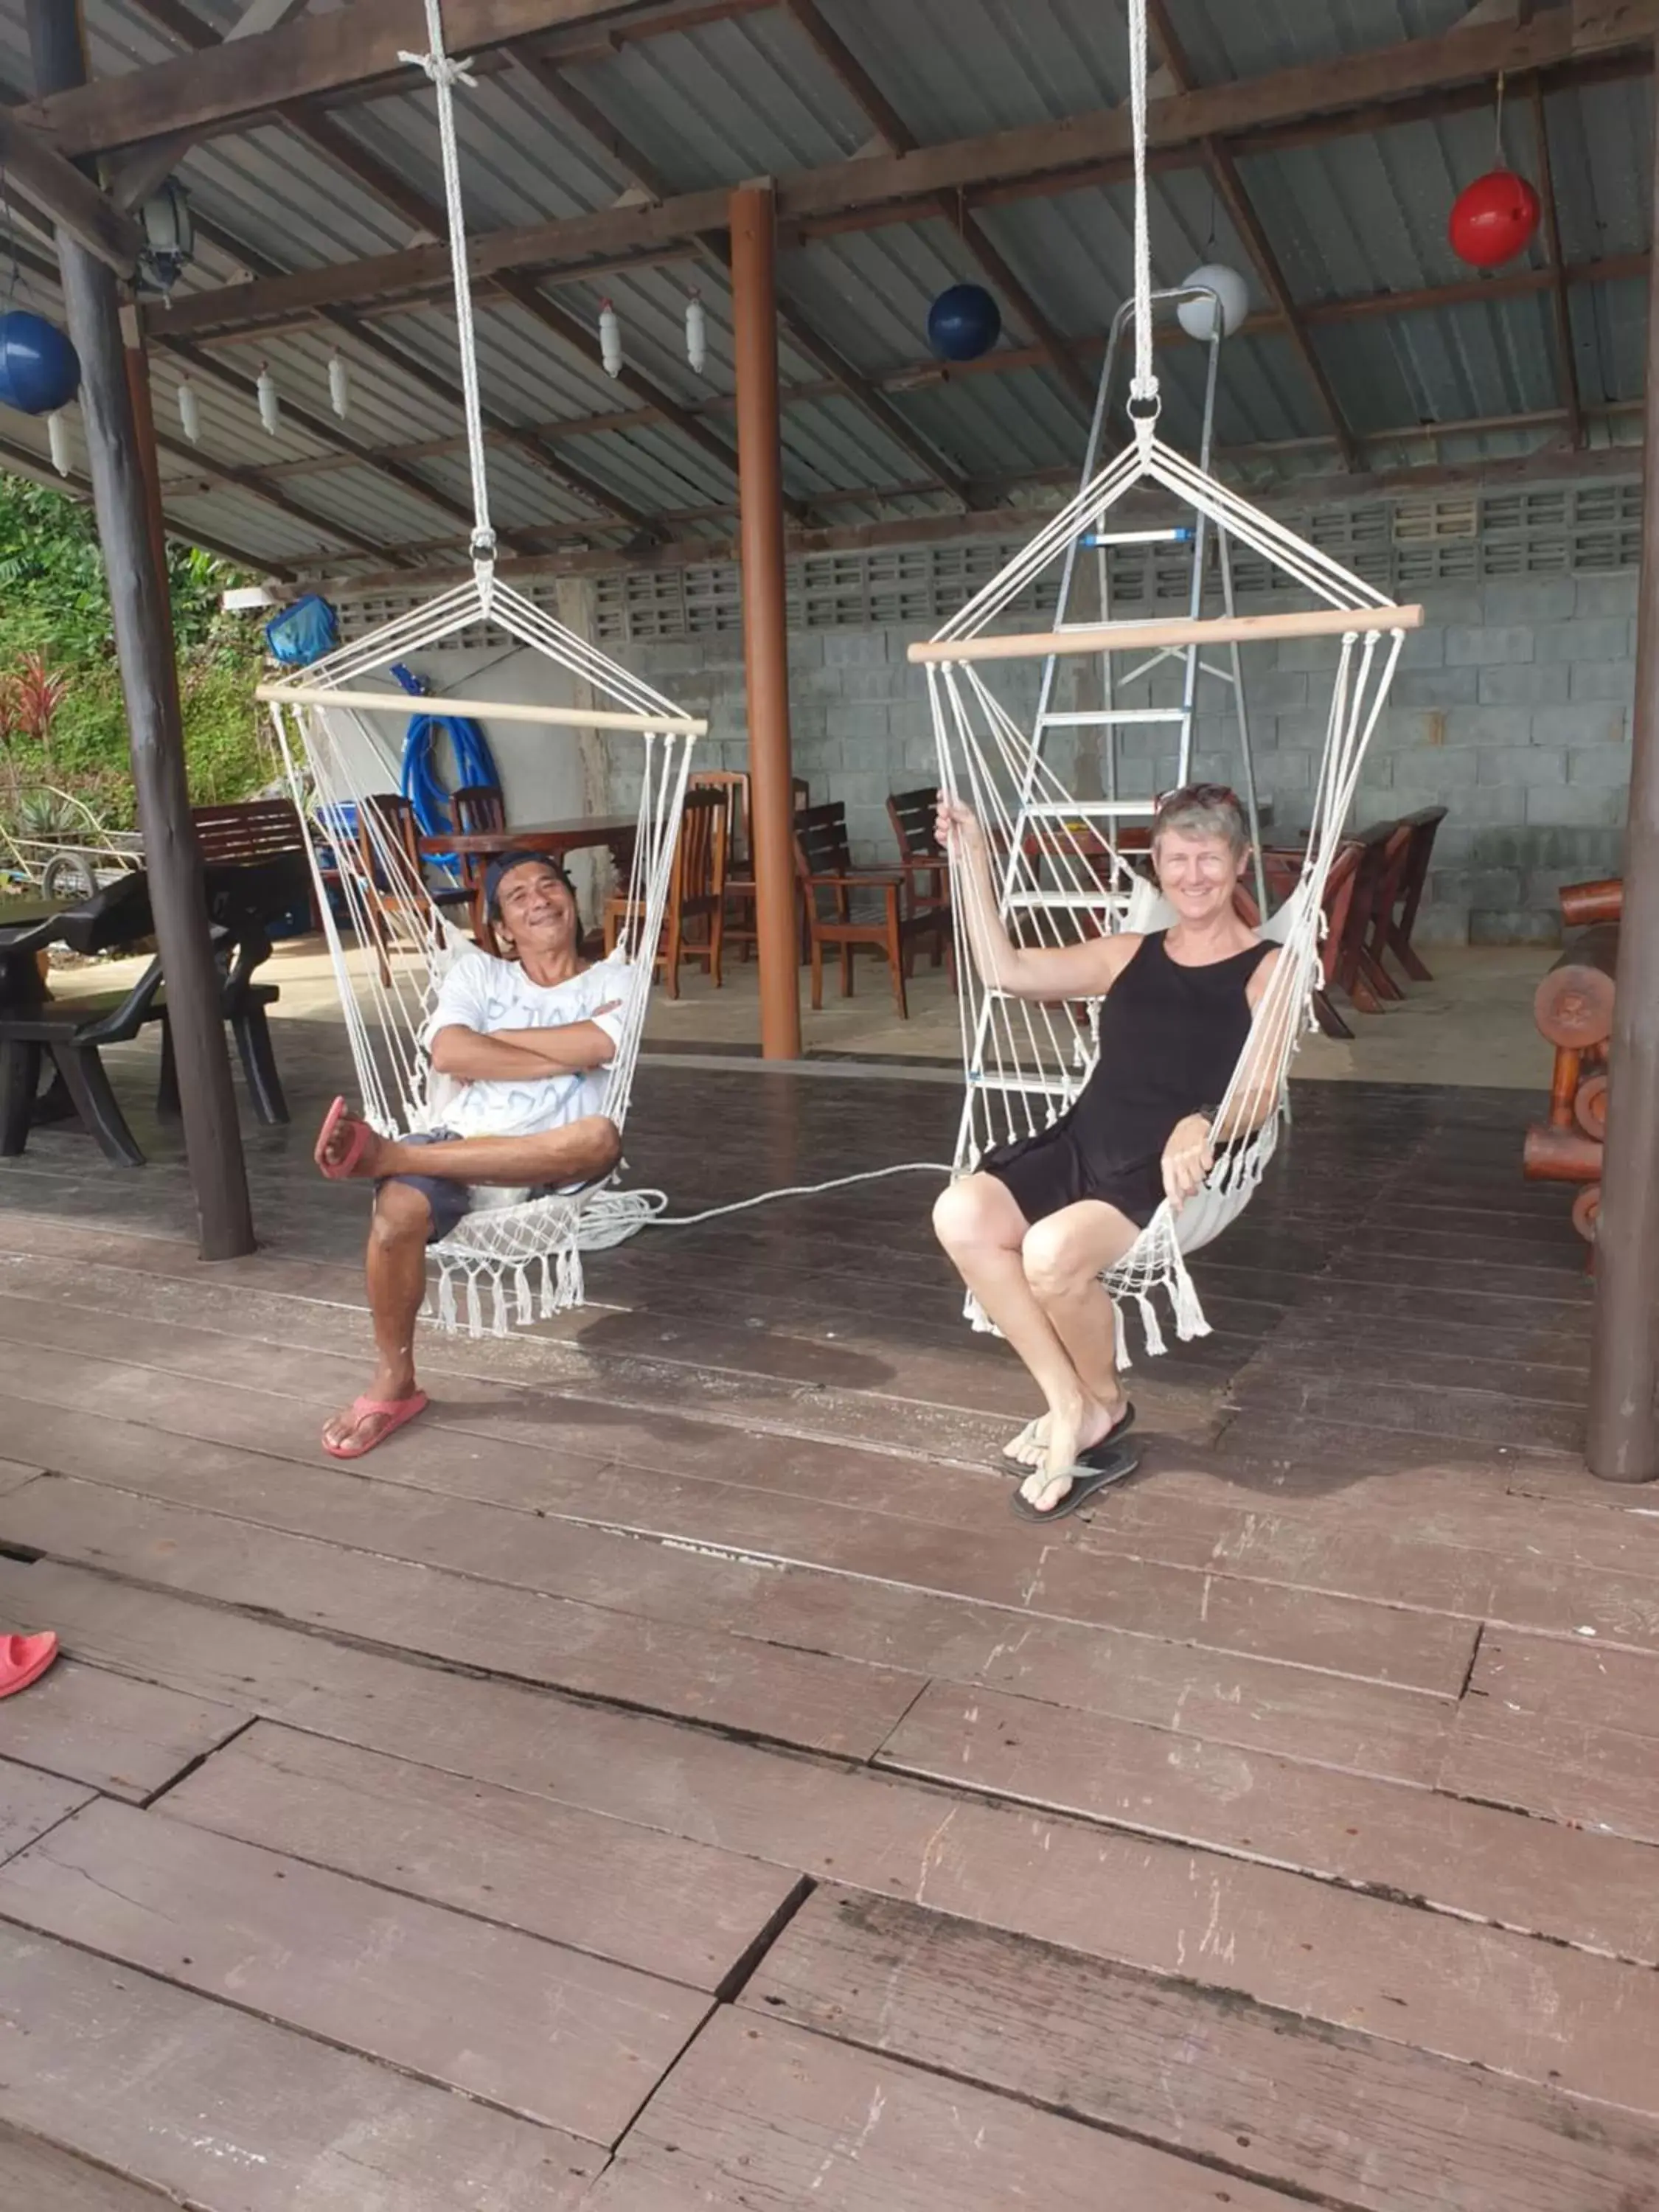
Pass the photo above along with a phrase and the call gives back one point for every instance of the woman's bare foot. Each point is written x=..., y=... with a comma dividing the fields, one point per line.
x=1026, y=1450
x=335, y=1148
x=1071, y=1430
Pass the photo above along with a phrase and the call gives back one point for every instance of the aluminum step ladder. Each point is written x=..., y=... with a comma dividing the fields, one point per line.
x=1104, y=906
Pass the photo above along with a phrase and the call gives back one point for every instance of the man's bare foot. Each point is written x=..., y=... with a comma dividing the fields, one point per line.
x=1026, y=1450
x=1070, y=1430
x=336, y=1149
x=357, y=1428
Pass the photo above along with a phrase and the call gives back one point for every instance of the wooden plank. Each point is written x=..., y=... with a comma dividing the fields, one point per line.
x=221, y=2111
x=685, y=1911
x=765, y=1536
x=1592, y=1777
x=128, y=1739
x=1454, y=1857
x=762, y=2114
x=71, y=201
x=574, y=2042
x=820, y=1703
x=1343, y=2118
x=1577, y=1682
x=30, y=1803
x=35, y=2174
x=1467, y=1991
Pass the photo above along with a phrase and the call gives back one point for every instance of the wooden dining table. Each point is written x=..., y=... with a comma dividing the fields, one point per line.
x=577, y=833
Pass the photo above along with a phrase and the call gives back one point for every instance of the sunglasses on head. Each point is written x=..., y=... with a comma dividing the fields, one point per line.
x=1199, y=795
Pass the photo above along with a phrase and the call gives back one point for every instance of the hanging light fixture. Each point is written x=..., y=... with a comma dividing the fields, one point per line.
x=610, y=352
x=58, y=438
x=169, y=237
x=190, y=415
x=339, y=385
x=270, y=405
x=696, y=333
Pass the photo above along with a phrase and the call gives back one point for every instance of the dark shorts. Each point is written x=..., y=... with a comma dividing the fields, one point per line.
x=451, y=1202
x=1045, y=1173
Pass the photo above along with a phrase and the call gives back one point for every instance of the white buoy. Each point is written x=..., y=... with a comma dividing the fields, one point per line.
x=190, y=415
x=339, y=386
x=270, y=406
x=58, y=438
x=1197, y=317
x=696, y=334
x=610, y=352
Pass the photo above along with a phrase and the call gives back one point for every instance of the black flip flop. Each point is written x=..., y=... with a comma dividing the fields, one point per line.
x=1097, y=1469
x=1120, y=1427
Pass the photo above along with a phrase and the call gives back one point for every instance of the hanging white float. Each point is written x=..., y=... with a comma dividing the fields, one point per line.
x=339, y=385
x=1197, y=317
x=58, y=438
x=190, y=414
x=696, y=333
x=610, y=352
x=270, y=405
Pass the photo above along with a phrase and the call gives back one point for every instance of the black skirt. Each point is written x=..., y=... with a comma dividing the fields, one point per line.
x=1045, y=1173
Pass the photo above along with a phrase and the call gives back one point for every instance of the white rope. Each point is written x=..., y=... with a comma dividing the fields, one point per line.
x=446, y=75
x=1142, y=388
x=799, y=1190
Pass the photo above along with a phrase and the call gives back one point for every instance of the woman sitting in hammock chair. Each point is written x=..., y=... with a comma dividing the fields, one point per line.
x=1031, y=1231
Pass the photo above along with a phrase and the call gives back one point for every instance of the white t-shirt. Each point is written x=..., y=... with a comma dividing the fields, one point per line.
x=485, y=994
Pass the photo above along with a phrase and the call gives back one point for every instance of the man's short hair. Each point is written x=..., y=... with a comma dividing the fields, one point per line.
x=501, y=867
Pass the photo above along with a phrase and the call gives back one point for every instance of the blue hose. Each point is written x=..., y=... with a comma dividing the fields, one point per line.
x=474, y=762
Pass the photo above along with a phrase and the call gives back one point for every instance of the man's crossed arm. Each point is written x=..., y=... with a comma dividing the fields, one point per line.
x=523, y=1055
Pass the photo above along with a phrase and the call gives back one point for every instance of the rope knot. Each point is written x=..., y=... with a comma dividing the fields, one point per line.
x=442, y=69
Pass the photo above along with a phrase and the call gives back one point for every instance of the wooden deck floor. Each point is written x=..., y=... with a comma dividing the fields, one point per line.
x=669, y=1777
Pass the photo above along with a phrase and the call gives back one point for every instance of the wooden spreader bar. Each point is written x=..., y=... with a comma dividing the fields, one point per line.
x=1135, y=637
x=481, y=710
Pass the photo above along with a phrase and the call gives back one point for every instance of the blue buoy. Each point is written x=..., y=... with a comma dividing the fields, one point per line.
x=39, y=370
x=963, y=322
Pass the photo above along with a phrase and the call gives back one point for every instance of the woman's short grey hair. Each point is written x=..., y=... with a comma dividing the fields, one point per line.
x=1202, y=810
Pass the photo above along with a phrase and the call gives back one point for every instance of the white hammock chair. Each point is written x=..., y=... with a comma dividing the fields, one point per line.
x=338, y=749
x=1053, y=863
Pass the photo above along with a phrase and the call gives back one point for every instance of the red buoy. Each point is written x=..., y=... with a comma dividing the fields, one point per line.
x=1492, y=219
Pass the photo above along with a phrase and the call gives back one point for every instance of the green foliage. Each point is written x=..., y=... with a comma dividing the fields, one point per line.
x=54, y=604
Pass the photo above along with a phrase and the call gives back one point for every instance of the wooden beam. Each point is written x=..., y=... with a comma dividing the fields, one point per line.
x=142, y=172
x=1174, y=631
x=33, y=168
x=898, y=137
x=1567, y=359
x=637, y=168
x=891, y=185
x=1230, y=191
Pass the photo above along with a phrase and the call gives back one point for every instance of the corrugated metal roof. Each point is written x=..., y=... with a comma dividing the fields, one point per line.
x=750, y=95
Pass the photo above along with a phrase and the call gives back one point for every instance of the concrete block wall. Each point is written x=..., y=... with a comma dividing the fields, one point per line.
x=1512, y=707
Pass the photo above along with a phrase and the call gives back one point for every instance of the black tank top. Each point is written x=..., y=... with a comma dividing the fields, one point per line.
x=1169, y=1040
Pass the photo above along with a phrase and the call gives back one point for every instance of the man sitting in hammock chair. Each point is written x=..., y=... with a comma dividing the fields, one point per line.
x=1032, y=1230
x=519, y=1048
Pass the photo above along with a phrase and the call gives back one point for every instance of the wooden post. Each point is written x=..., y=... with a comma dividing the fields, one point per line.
x=150, y=686
x=1623, y=1423
x=766, y=644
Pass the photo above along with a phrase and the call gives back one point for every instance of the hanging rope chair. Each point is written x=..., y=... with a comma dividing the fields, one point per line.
x=1056, y=869
x=338, y=724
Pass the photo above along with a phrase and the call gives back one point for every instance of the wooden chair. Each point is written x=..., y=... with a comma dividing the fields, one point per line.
x=1382, y=849
x=823, y=865
x=696, y=892
x=389, y=860
x=926, y=869
x=1282, y=868
x=478, y=810
x=1398, y=926
x=740, y=851
x=257, y=830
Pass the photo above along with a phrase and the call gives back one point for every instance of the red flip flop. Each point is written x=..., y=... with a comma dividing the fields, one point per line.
x=25, y=1659
x=399, y=1412
x=340, y=1170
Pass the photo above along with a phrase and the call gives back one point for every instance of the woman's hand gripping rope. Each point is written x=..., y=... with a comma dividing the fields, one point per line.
x=1188, y=1159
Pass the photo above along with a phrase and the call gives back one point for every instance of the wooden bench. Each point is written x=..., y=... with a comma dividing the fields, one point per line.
x=254, y=829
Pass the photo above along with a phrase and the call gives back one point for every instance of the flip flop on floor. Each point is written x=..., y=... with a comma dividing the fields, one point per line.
x=399, y=1412
x=1120, y=1427
x=339, y=1170
x=1097, y=1469
x=25, y=1659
